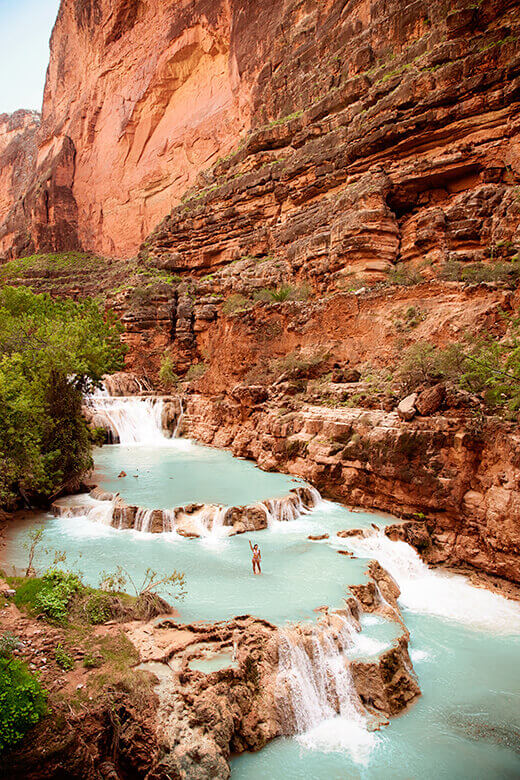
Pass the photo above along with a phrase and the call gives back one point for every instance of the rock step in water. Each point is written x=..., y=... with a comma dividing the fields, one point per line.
x=192, y=520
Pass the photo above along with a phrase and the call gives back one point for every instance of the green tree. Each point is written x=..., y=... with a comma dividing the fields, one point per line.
x=51, y=351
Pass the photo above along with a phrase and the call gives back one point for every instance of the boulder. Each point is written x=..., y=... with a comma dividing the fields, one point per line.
x=346, y=375
x=430, y=400
x=406, y=408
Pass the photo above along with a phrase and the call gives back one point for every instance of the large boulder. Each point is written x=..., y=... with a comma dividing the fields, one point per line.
x=430, y=400
x=406, y=408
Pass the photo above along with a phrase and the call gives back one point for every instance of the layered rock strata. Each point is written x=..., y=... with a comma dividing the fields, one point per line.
x=347, y=137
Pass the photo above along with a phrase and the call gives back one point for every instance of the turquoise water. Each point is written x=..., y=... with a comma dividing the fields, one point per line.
x=466, y=725
x=181, y=472
x=297, y=575
x=465, y=642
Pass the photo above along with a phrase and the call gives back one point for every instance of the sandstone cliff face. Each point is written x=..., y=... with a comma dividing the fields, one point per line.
x=381, y=133
x=350, y=135
x=147, y=95
x=18, y=151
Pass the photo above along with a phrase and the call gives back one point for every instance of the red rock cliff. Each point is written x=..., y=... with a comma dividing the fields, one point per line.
x=143, y=96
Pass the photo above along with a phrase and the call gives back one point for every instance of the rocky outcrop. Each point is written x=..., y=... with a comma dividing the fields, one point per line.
x=246, y=700
x=381, y=133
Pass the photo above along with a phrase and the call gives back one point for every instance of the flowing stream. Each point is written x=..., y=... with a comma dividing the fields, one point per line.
x=464, y=641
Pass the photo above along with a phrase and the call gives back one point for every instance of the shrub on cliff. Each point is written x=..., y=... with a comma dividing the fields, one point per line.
x=485, y=365
x=51, y=351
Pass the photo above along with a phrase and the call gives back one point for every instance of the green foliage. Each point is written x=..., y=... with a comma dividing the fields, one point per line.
x=22, y=701
x=167, y=375
x=410, y=318
x=196, y=371
x=92, y=661
x=284, y=119
x=98, y=609
x=55, y=594
x=484, y=365
x=8, y=644
x=285, y=292
x=50, y=265
x=63, y=659
x=50, y=351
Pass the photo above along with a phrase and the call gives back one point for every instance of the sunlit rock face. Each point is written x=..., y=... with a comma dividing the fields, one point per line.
x=18, y=149
x=148, y=94
x=367, y=133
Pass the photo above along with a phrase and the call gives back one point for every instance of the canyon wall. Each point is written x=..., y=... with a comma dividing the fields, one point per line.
x=342, y=136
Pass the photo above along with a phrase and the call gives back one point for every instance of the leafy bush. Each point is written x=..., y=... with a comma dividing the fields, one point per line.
x=22, y=701
x=50, y=352
x=501, y=272
x=285, y=292
x=98, y=609
x=167, y=375
x=485, y=365
x=196, y=371
x=63, y=659
x=55, y=594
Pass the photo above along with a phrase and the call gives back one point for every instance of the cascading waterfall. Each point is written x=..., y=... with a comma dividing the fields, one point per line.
x=101, y=513
x=129, y=419
x=289, y=508
x=316, y=688
x=143, y=519
x=435, y=592
x=169, y=521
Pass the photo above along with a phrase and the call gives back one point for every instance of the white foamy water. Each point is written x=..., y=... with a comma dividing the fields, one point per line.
x=130, y=419
x=434, y=592
x=316, y=687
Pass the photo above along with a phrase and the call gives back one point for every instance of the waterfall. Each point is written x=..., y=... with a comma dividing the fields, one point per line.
x=129, y=419
x=179, y=420
x=316, y=689
x=102, y=512
x=169, y=521
x=435, y=592
x=211, y=522
x=143, y=519
x=301, y=501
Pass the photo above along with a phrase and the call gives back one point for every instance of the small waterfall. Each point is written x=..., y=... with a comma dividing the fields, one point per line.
x=101, y=513
x=300, y=502
x=316, y=690
x=211, y=522
x=143, y=519
x=169, y=521
x=128, y=419
x=179, y=420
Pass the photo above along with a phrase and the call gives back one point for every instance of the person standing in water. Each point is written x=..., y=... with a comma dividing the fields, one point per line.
x=257, y=557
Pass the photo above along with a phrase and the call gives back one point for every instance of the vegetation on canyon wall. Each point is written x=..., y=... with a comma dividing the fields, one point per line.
x=51, y=351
